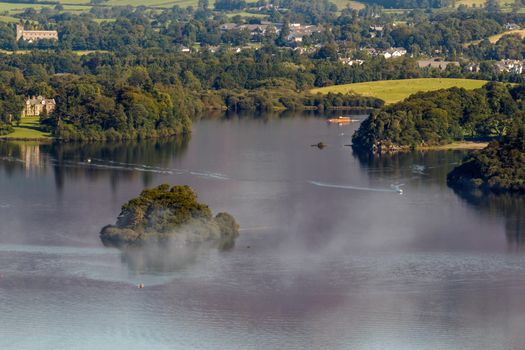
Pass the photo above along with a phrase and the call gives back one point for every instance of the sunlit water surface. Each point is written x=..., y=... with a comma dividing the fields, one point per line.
x=330, y=255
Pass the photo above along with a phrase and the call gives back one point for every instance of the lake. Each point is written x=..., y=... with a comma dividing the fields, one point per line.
x=330, y=255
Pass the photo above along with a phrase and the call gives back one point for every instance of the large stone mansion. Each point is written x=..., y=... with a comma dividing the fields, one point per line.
x=34, y=35
x=36, y=106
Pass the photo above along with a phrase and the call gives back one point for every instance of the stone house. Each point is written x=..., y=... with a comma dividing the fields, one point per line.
x=36, y=106
x=34, y=35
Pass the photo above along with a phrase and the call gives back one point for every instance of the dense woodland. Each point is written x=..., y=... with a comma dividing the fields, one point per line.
x=110, y=96
x=500, y=167
x=443, y=116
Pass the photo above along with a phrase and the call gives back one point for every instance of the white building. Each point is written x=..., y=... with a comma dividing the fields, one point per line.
x=394, y=52
x=510, y=66
x=351, y=62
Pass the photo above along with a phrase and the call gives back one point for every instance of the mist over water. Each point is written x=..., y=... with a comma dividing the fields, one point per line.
x=330, y=255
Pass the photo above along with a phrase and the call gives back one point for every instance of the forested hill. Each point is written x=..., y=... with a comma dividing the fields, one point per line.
x=500, y=167
x=441, y=117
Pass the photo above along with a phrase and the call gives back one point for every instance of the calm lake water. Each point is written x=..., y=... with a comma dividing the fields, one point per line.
x=329, y=257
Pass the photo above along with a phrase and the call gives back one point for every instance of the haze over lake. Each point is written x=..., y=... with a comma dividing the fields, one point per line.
x=330, y=255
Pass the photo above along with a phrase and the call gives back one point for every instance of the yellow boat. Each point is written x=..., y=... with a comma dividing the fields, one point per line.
x=341, y=120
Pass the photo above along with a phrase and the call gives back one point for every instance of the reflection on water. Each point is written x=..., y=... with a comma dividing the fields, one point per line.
x=93, y=160
x=315, y=267
x=509, y=206
x=430, y=166
x=433, y=167
x=166, y=258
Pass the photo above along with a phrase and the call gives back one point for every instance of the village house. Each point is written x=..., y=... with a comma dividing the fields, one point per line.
x=371, y=51
x=394, y=52
x=351, y=62
x=511, y=26
x=376, y=31
x=389, y=53
x=299, y=31
x=36, y=106
x=510, y=66
x=267, y=7
x=305, y=50
x=34, y=35
x=472, y=67
x=213, y=48
x=254, y=29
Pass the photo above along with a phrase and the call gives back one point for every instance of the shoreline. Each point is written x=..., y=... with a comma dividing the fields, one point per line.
x=460, y=145
x=27, y=139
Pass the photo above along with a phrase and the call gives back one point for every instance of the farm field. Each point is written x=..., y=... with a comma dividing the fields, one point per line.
x=12, y=8
x=392, y=91
x=83, y=5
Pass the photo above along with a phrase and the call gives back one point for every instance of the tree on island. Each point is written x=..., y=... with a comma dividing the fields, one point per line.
x=164, y=213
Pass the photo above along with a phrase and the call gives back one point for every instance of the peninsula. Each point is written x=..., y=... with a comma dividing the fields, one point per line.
x=498, y=168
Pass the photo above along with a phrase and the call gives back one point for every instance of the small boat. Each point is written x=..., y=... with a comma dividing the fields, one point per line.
x=342, y=120
x=397, y=188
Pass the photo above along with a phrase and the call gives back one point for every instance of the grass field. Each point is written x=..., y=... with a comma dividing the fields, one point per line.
x=29, y=129
x=76, y=6
x=468, y=145
x=17, y=8
x=471, y=3
x=8, y=19
x=494, y=38
x=392, y=91
x=356, y=5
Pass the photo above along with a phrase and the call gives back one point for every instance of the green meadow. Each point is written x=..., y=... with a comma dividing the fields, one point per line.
x=29, y=129
x=392, y=91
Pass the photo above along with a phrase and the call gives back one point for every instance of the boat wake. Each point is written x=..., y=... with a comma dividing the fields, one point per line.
x=95, y=163
x=393, y=189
